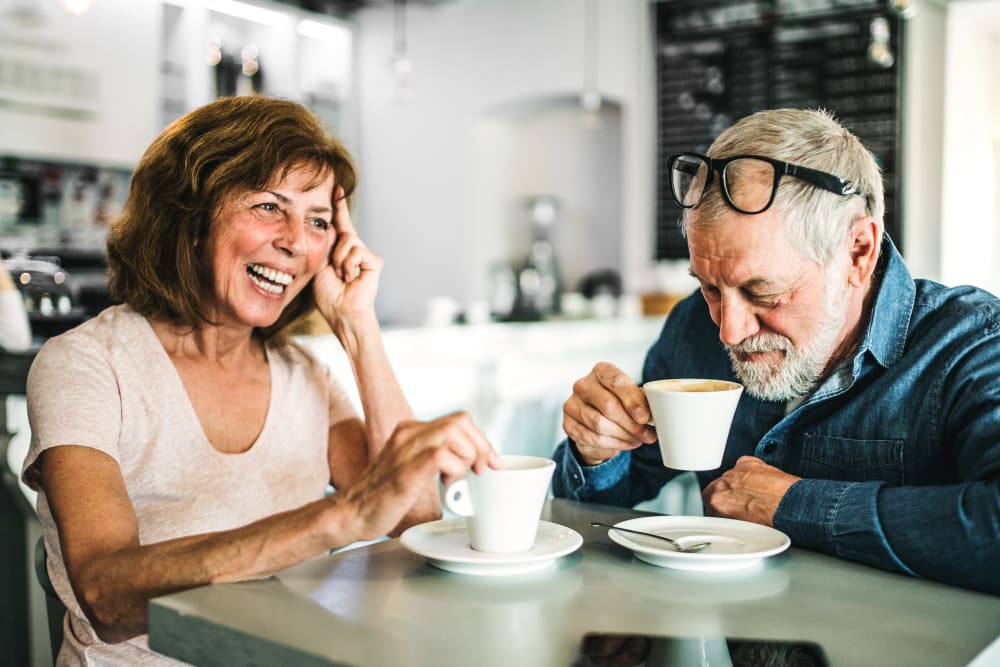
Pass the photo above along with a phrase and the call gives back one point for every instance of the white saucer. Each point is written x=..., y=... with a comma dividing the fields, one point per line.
x=734, y=544
x=445, y=545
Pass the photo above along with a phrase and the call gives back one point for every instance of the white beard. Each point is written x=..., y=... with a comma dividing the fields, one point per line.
x=801, y=368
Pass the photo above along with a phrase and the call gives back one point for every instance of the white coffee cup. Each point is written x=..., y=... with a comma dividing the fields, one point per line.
x=502, y=507
x=692, y=418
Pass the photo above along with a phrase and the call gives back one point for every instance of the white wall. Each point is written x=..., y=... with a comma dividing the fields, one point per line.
x=418, y=159
x=970, y=222
x=923, y=139
x=80, y=88
x=555, y=149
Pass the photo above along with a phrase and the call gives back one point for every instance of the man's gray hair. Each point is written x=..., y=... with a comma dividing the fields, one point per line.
x=817, y=221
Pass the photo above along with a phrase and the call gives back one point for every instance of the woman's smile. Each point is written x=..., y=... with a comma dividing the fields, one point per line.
x=272, y=281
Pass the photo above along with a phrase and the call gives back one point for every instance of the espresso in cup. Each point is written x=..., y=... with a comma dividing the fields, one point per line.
x=502, y=507
x=692, y=417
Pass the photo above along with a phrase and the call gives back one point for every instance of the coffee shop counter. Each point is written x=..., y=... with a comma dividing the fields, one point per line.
x=512, y=378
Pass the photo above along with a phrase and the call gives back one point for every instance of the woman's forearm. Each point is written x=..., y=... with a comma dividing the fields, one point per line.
x=382, y=399
x=114, y=589
x=383, y=402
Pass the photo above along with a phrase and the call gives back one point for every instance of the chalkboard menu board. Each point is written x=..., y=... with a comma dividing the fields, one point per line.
x=717, y=62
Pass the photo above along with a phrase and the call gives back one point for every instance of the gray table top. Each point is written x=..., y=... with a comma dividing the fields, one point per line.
x=383, y=605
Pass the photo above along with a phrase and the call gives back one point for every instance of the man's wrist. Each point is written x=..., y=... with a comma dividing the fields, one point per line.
x=585, y=460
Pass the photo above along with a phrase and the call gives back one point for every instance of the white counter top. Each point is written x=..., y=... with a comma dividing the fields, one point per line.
x=512, y=378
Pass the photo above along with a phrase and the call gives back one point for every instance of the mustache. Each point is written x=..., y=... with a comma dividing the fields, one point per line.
x=761, y=343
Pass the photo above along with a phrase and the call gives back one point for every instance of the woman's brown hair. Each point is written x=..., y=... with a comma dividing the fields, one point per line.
x=234, y=143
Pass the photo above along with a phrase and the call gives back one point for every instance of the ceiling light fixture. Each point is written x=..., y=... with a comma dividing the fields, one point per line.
x=590, y=95
x=77, y=7
x=402, y=66
x=323, y=31
x=247, y=12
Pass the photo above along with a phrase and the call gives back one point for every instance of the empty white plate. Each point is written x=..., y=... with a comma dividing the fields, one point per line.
x=734, y=544
x=445, y=545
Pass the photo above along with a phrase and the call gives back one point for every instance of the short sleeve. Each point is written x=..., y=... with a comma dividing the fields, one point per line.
x=73, y=399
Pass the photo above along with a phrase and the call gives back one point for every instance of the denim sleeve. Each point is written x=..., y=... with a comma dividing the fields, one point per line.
x=625, y=480
x=840, y=518
x=604, y=483
x=945, y=533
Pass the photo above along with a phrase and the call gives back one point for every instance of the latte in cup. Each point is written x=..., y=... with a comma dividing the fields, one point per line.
x=692, y=417
x=692, y=385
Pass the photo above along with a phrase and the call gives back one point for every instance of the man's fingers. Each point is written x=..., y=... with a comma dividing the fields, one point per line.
x=597, y=421
x=598, y=407
x=629, y=395
x=593, y=446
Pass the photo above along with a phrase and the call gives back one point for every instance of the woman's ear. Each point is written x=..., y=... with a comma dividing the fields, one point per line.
x=864, y=244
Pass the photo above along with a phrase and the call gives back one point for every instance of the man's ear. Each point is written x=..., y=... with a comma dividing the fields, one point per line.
x=863, y=244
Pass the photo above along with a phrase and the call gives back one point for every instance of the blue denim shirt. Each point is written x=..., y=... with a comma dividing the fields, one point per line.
x=899, y=449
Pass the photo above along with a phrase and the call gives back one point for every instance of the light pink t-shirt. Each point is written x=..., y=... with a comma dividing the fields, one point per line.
x=109, y=384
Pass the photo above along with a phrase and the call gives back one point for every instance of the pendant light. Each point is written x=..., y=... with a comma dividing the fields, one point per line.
x=402, y=66
x=590, y=96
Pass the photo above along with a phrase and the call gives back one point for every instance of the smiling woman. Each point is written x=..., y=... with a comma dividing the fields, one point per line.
x=182, y=438
x=234, y=149
x=253, y=283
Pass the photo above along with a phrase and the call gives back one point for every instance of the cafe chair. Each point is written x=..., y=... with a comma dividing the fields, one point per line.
x=55, y=610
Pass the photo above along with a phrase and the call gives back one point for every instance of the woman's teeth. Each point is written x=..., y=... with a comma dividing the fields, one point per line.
x=269, y=280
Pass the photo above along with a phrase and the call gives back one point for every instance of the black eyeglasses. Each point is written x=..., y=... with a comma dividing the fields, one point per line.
x=749, y=182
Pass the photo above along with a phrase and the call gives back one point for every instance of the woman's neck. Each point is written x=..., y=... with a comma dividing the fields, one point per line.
x=220, y=344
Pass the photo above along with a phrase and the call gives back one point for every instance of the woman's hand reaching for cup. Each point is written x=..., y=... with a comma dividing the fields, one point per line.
x=606, y=414
x=416, y=453
x=345, y=289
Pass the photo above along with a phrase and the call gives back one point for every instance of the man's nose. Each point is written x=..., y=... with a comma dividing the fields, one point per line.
x=737, y=320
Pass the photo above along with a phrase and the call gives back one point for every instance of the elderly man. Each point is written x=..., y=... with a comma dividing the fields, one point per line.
x=870, y=423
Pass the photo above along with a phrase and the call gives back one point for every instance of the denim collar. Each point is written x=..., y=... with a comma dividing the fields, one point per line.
x=885, y=336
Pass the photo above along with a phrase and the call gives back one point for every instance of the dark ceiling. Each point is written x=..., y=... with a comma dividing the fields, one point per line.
x=344, y=8
x=341, y=8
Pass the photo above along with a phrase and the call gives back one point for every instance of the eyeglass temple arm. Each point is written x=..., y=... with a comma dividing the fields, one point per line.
x=822, y=179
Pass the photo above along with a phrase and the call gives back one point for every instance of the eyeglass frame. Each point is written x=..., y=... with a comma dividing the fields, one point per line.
x=820, y=179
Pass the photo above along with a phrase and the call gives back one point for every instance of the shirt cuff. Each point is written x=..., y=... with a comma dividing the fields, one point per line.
x=577, y=481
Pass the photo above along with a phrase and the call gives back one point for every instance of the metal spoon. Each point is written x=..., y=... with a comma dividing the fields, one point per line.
x=691, y=548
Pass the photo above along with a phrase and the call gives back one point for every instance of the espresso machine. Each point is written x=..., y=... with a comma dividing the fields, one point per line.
x=538, y=284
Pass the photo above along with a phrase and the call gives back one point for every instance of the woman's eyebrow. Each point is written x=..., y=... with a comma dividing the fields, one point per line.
x=312, y=209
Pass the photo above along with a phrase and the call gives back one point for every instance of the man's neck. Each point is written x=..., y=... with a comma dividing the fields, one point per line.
x=854, y=326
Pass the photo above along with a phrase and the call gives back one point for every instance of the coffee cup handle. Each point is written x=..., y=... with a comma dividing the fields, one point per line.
x=456, y=498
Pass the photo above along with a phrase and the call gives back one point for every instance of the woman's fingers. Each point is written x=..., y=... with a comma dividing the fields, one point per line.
x=342, y=214
x=450, y=445
x=358, y=260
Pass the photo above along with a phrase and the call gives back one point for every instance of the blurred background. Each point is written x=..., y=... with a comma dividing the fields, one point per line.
x=498, y=136
x=509, y=155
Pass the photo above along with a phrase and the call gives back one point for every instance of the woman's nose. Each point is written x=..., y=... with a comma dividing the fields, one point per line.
x=737, y=320
x=293, y=239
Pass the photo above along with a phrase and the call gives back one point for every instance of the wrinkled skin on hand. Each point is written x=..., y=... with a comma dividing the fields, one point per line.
x=750, y=491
